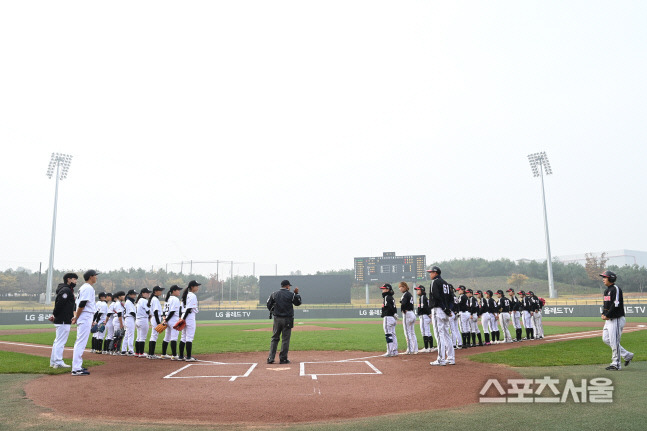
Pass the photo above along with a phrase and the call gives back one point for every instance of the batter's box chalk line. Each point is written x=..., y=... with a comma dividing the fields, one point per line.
x=231, y=378
x=315, y=375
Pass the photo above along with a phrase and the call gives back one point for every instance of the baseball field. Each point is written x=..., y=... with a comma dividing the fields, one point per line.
x=337, y=380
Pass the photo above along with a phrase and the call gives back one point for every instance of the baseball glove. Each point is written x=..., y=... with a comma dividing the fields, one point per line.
x=119, y=333
x=181, y=323
x=161, y=328
x=102, y=327
x=94, y=328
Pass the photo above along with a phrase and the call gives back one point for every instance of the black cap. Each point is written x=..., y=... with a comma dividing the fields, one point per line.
x=174, y=288
x=521, y=292
x=461, y=287
x=194, y=283
x=610, y=275
x=489, y=292
x=530, y=292
x=421, y=287
x=120, y=293
x=132, y=292
x=434, y=269
x=499, y=292
x=478, y=292
x=102, y=294
x=510, y=290
x=157, y=289
x=469, y=291
x=89, y=273
x=285, y=283
x=145, y=290
x=386, y=286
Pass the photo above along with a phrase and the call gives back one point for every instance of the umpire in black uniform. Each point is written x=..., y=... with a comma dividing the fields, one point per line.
x=280, y=304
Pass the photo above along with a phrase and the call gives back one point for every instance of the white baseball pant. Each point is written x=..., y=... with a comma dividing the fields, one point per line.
x=485, y=322
x=142, y=329
x=189, y=330
x=444, y=340
x=62, y=334
x=129, y=337
x=504, y=318
x=611, y=335
x=453, y=325
x=83, y=325
x=388, y=323
x=536, y=321
x=425, y=325
x=527, y=319
x=409, y=323
x=516, y=319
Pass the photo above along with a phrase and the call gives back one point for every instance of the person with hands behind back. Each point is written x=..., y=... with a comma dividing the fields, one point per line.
x=85, y=309
x=62, y=317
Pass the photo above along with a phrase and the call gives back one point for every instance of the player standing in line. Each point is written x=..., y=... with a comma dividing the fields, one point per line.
x=485, y=316
x=515, y=314
x=190, y=309
x=99, y=318
x=613, y=314
x=85, y=309
x=504, y=306
x=156, y=318
x=494, y=317
x=536, y=315
x=389, y=315
x=463, y=311
x=454, y=319
x=408, y=319
x=118, y=320
x=107, y=323
x=526, y=306
x=441, y=302
x=170, y=316
x=64, y=306
x=142, y=314
x=424, y=313
x=127, y=347
x=474, y=310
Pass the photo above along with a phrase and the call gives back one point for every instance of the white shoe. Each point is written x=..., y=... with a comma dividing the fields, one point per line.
x=191, y=359
x=433, y=349
x=436, y=362
x=407, y=352
x=451, y=362
x=166, y=357
x=175, y=358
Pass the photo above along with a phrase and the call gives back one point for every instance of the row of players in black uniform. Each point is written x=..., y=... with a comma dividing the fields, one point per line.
x=526, y=310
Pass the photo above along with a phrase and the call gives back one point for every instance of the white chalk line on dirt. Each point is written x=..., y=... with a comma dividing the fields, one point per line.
x=40, y=346
x=314, y=376
x=231, y=378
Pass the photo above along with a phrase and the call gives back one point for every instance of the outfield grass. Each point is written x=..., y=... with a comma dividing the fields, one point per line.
x=243, y=338
x=20, y=363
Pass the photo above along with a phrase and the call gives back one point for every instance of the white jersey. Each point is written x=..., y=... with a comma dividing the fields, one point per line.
x=173, y=304
x=130, y=308
x=192, y=303
x=155, y=306
x=86, y=293
x=142, y=309
x=102, y=308
x=111, y=312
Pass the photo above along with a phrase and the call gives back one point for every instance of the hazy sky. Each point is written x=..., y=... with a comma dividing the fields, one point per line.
x=305, y=133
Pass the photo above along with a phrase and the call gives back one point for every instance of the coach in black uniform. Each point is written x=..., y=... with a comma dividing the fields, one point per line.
x=64, y=307
x=280, y=304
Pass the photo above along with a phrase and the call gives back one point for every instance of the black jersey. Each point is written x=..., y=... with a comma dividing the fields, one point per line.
x=473, y=305
x=504, y=305
x=613, y=306
x=463, y=304
x=388, y=306
x=423, y=305
x=440, y=294
x=406, y=302
x=516, y=304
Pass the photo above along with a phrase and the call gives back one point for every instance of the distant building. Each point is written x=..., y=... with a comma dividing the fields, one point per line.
x=616, y=258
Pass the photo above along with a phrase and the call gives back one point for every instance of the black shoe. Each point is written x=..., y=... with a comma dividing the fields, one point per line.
x=627, y=361
x=270, y=361
x=285, y=361
x=612, y=368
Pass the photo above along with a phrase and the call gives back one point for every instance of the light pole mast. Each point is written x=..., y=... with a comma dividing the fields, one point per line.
x=539, y=163
x=62, y=164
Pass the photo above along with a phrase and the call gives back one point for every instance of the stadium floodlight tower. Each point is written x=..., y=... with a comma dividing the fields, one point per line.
x=60, y=163
x=539, y=164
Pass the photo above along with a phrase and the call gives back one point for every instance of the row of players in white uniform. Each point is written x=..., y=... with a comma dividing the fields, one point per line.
x=467, y=308
x=137, y=314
